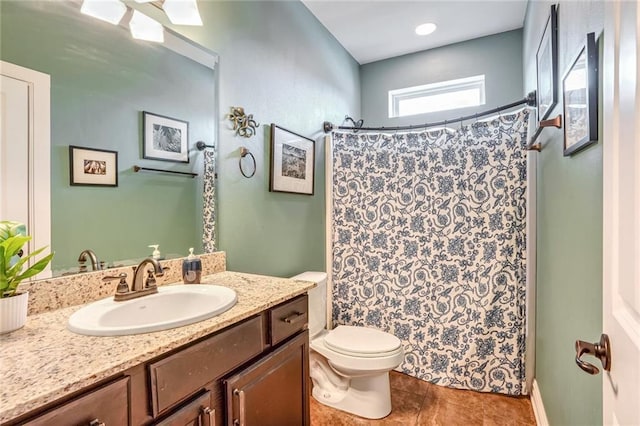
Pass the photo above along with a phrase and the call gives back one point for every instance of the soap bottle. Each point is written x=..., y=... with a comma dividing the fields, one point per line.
x=191, y=269
x=156, y=253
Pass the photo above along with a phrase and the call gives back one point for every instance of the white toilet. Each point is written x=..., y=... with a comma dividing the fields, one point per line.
x=349, y=365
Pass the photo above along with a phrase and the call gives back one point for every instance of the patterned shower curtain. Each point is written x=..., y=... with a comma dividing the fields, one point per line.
x=209, y=202
x=429, y=244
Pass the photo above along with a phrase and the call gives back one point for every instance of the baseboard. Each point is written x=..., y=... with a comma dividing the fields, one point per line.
x=538, y=406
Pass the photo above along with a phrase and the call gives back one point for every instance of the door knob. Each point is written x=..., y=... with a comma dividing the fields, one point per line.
x=601, y=350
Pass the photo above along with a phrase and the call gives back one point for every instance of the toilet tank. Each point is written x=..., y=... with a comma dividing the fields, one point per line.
x=317, y=300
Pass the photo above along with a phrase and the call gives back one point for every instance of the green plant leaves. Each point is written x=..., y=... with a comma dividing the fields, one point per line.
x=12, y=275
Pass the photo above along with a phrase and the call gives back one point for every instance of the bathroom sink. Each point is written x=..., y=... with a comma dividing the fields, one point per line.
x=173, y=306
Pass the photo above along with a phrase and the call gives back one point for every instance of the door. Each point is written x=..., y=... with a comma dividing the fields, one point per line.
x=273, y=391
x=14, y=149
x=621, y=168
x=25, y=151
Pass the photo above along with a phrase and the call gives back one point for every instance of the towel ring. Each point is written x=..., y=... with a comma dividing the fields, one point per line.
x=243, y=153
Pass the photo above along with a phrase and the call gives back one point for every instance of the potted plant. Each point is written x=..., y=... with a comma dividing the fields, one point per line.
x=13, y=304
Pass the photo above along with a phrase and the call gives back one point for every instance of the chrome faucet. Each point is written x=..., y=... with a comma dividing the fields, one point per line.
x=139, y=287
x=95, y=265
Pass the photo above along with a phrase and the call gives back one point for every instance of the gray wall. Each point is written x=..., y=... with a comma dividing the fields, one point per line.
x=569, y=284
x=498, y=56
x=280, y=64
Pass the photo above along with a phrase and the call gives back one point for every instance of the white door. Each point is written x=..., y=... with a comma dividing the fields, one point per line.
x=621, y=168
x=25, y=151
x=14, y=149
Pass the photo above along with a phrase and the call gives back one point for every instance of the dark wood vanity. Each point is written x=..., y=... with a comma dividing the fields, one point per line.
x=254, y=372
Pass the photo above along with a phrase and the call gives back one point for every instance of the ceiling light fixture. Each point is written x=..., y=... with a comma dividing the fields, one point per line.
x=144, y=28
x=426, y=29
x=182, y=12
x=110, y=11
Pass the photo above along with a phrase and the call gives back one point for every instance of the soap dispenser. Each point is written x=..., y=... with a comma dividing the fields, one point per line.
x=156, y=253
x=191, y=269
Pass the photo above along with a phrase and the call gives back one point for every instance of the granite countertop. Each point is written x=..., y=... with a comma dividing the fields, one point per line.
x=44, y=361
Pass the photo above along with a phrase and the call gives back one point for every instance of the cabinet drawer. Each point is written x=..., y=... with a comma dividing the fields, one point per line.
x=108, y=404
x=196, y=413
x=177, y=377
x=289, y=318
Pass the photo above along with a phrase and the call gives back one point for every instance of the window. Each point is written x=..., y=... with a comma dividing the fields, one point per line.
x=442, y=96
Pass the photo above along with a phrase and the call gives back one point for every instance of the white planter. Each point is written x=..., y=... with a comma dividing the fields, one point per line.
x=13, y=312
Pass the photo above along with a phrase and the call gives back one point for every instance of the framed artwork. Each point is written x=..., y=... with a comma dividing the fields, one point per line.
x=92, y=167
x=165, y=138
x=292, y=162
x=547, y=66
x=580, y=99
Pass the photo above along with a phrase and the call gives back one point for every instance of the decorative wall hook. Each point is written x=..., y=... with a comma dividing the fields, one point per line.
x=243, y=124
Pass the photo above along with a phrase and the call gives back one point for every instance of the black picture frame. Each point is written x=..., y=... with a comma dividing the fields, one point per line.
x=547, y=66
x=580, y=99
x=92, y=166
x=164, y=138
x=292, y=162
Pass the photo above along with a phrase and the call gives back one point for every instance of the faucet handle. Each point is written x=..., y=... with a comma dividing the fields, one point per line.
x=123, y=287
x=151, y=279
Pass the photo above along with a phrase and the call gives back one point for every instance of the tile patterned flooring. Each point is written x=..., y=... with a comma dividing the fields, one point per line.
x=418, y=403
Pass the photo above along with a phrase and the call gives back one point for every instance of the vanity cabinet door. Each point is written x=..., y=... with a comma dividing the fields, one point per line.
x=273, y=391
x=106, y=406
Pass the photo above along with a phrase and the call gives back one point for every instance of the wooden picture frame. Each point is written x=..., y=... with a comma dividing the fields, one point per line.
x=580, y=99
x=165, y=138
x=547, y=66
x=292, y=162
x=92, y=166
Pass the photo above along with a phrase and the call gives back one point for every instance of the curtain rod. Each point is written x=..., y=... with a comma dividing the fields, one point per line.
x=530, y=100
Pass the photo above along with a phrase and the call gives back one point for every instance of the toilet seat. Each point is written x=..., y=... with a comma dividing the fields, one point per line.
x=362, y=342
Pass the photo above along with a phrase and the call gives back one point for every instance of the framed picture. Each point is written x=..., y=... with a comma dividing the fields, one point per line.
x=547, y=67
x=580, y=99
x=292, y=162
x=165, y=138
x=92, y=167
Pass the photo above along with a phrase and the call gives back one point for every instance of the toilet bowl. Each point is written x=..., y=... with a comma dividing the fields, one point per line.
x=349, y=365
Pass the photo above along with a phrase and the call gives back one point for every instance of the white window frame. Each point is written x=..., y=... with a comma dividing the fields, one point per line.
x=450, y=86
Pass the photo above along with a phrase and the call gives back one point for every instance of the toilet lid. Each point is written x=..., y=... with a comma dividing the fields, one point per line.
x=348, y=340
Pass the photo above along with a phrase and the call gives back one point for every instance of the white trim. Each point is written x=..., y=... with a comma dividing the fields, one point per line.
x=538, y=406
x=328, y=184
x=39, y=223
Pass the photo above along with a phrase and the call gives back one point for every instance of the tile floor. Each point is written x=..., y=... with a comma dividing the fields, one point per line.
x=418, y=403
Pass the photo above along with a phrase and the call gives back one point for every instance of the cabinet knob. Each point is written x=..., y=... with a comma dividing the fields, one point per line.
x=96, y=422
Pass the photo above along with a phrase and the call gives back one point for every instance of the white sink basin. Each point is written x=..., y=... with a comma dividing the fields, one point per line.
x=173, y=306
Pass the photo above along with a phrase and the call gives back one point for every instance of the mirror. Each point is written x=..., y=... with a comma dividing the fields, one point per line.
x=101, y=82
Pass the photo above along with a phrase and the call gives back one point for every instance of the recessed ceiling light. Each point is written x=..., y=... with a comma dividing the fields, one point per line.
x=426, y=29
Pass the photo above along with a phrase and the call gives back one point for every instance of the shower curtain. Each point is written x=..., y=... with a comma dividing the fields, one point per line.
x=428, y=243
x=209, y=201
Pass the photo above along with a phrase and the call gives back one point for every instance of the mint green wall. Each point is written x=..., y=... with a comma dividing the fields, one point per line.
x=498, y=57
x=280, y=64
x=569, y=246
x=101, y=80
